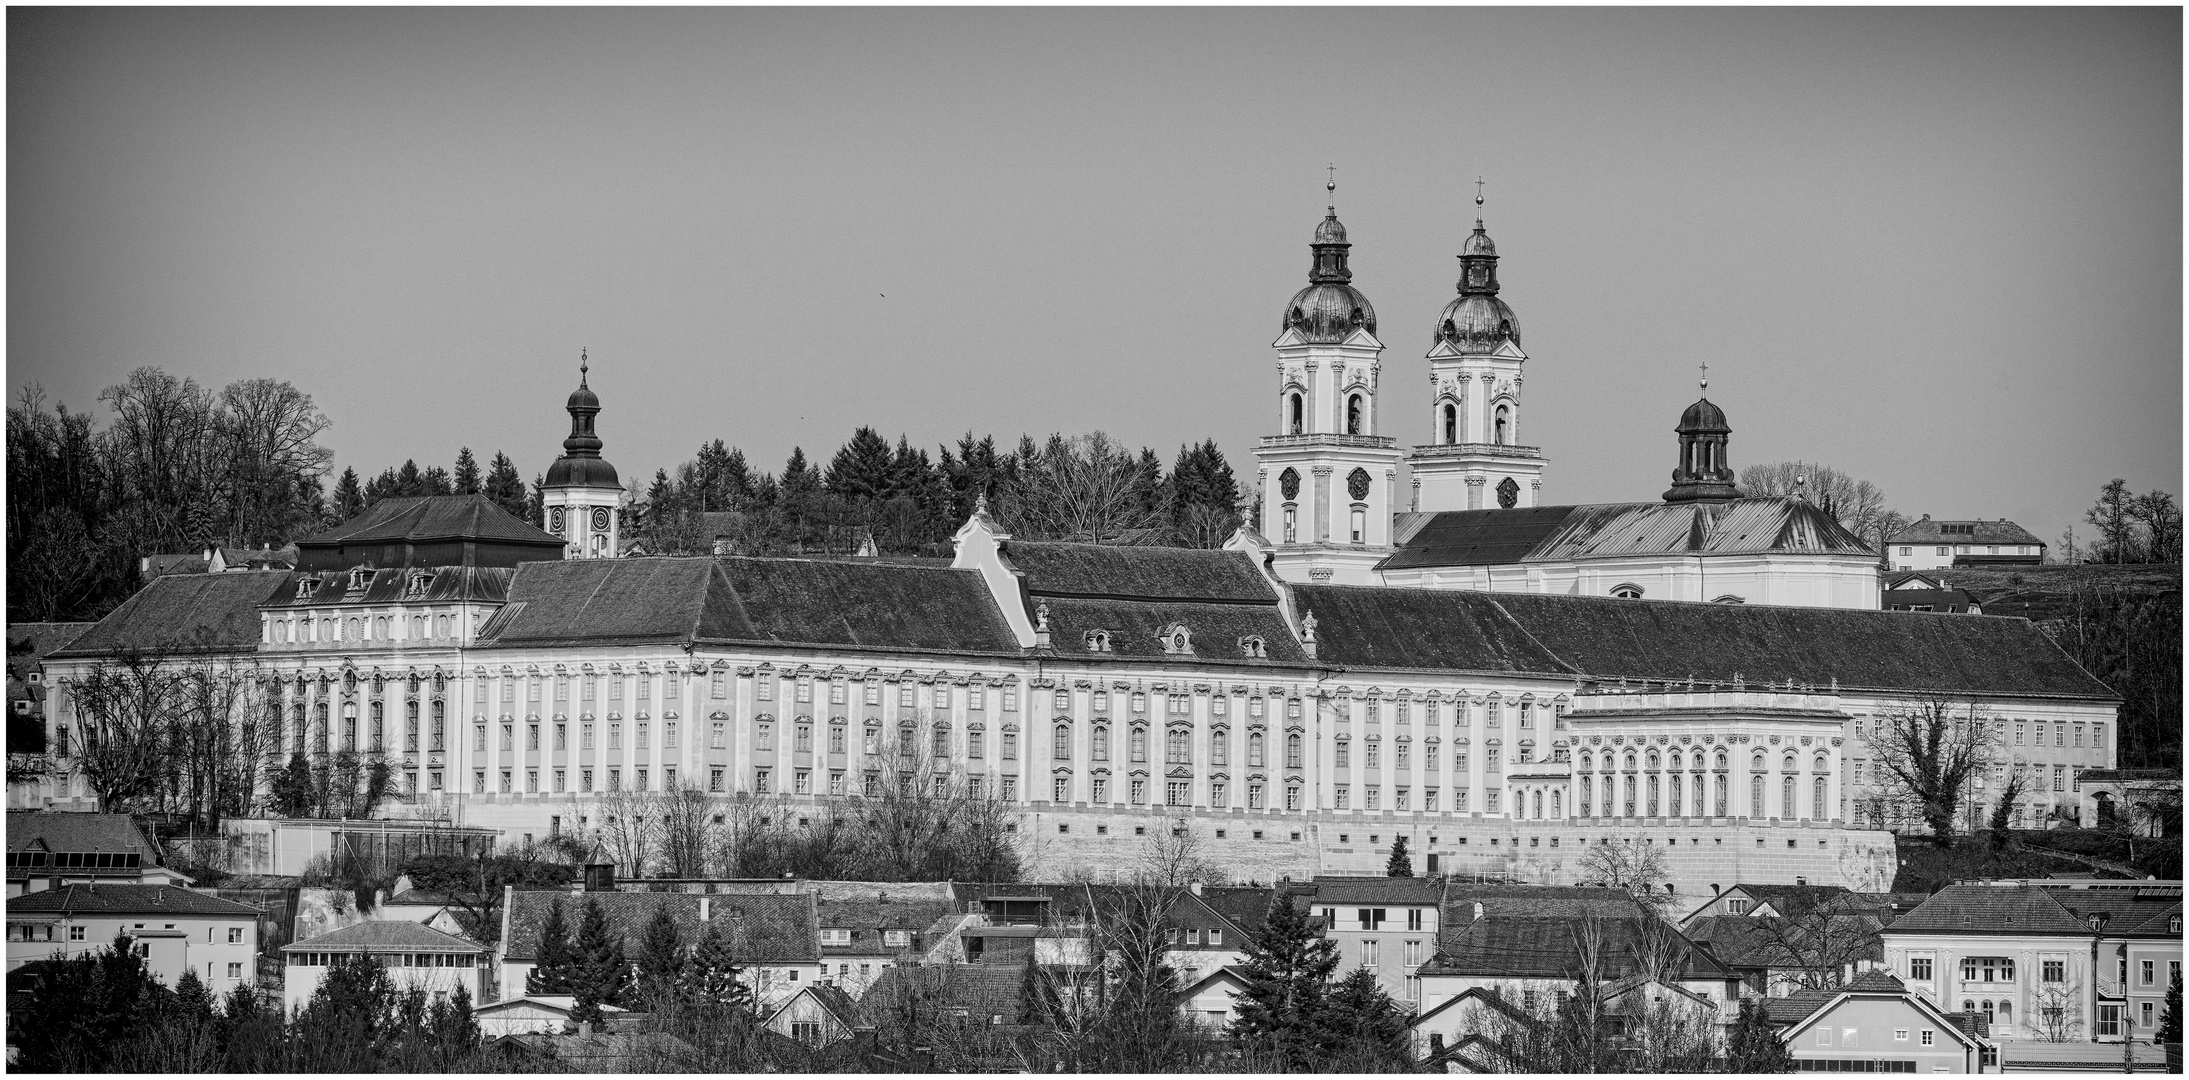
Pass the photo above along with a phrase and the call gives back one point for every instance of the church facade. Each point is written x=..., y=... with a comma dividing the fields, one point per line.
x=1502, y=710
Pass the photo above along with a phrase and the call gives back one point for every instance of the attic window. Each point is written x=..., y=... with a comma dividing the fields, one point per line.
x=1253, y=646
x=304, y=586
x=357, y=579
x=1176, y=641
x=1098, y=641
x=1628, y=591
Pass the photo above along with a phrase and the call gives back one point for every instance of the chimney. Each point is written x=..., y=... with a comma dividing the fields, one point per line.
x=705, y=907
x=1196, y=887
x=1478, y=909
x=600, y=877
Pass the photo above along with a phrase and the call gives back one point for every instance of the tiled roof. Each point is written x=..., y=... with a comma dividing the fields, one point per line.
x=1550, y=948
x=1796, y=900
x=1119, y=572
x=1989, y=909
x=387, y=935
x=1797, y=1006
x=2128, y=907
x=1135, y=629
x=1770, y=941
x=1928, y=531
x=431, y=517
x=1436, y=629
x=1243, y=906
x=982, y=990
x=389, y=585
x=761, y=929
x=30, y=642
x=1376, y=890
x=736, y=599
x=105, y=833
x=1540, y=901
x=1862, y=650
x=1562, y=533
x=215, y=612
x=127, y=900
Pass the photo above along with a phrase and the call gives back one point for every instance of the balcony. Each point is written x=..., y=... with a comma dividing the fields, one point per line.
x=1371, y=442
x=1454, y=450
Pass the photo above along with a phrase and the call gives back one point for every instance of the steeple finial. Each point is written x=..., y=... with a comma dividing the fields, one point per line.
x=1706, y=375
x=1478, y=202
x=1331, y=186
x=581, y=365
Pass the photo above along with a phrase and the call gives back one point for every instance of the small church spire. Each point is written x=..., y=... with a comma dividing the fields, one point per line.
x=1331, y=186
x=581, y=366
x=1706, y=377
x=1478, y=203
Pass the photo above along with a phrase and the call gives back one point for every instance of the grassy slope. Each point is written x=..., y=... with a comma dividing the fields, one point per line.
x=2041, y=592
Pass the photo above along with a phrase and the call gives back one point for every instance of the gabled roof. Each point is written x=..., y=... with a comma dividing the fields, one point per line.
x=1135, y=593
x=1928, y=531
x=1376, y=890
x=772, y=929
x=1551, y=948
x=128, y=900
x=1771, y=524
x=1947, y=600
x=389, y=585
x=1243, y=906
x=183, y=614
x=1537, y=901
x=839, y=1004
x=387, y=935
x=1797, y=1009
x=1989, y=909
x=31, y=642
x=1434, y=629
x=733, y=599
x=984, y=991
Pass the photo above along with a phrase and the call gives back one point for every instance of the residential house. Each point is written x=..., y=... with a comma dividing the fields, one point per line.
x=175, y=929
x=416, y=958
x=422, y=907
x=817, y=1015
x=1874, y=1023
x=532, y=1014
x=1386, y=925
x=2045, y=960
x=1925, y=592
x=1526, y=957
x=1213, y=998
x=31, y=780
x=1929, y=545
x=2141, y=799
x=860, y=939
x=774, y=938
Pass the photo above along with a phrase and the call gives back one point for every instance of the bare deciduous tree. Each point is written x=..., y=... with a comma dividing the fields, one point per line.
x=1086, y=488
x=1928, y=751
x=1631, y=865
x=1857, y=504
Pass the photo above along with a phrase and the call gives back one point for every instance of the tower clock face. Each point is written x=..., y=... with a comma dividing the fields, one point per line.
x=1508, y=493
x=554, y=520
x=600, y=519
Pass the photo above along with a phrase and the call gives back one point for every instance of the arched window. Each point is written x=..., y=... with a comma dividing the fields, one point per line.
x=1556, y=810
x=1359, y=524
x=1298, y=409
x=1817, y=809
x=1672, y=795
x=1786, y=797
x=1140, y=744
x=1588, y=796
x=1292, y=751
x=1101, y=742
x=1062, y=751
x=1353, y=415
x=1291, y=524
x=1630, y=796
x=1627, y=592
x=1254, y=750
x=1721, y=759
x=1451, y=424
x=1652, y=794
x=941, y=744
x=1630, y=761
x=1653, y=761
x=1721, y=794
x=1538, y=804
x=1503, y=419
x=1755, y=796
x=1177, y=746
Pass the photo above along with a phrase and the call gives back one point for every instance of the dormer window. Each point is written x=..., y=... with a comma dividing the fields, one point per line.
x=1254, y=647
x=357, y=579
x=1176, y=641
x=1098, y=641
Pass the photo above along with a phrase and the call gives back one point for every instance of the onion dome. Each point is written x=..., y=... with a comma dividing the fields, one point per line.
x=1477, y=321
x=1330, y=308
x=581, y=464
x=1703, y=417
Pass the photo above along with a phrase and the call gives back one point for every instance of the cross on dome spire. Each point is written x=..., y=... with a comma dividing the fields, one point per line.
x=1331, y=186
x=1706, y=375
x=581, y=365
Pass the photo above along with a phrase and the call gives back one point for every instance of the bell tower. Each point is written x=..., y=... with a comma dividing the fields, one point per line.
x=1476, y=458
x=581, y=493
x=1702, y=474
x=1328, y=478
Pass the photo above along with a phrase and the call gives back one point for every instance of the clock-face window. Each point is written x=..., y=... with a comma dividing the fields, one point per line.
x=600, y=518
x=554, y=520
x=1289, y=483
x=1508, y=493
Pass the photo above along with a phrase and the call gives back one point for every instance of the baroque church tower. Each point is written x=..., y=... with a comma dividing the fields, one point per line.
x=582, y=493
x=1476, y=459
x=1328, y=478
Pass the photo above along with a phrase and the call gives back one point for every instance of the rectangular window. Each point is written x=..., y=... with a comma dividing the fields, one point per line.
x=1062, y=792
x=1175, y=793
x=1010, y=788
x=639, y=778
x=1491, y=799
x=1342, y=796
x=585, y=780
x=976, y=697
x=718, y=735
x=1919, y=968
x=873, y=694
x=802, y=782
x=2059, y=778
x=760, y=782
x=1101, y=790
x=1429, y=800
x=2150, y=971
x=973, y=741
x=1140, y=793
x=837, y=692
x=615, y=780
x=805, y=690
x=1010, y=746
x=905, y=697
x=668, y=734
x=764, y=687
x=644, y=729
x=585, y=736
x=532, y=781
x=1254, y=796
x=561, y=775
x=1010, y=699
x=718, y=683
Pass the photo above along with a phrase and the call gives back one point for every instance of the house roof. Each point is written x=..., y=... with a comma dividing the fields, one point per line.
x=982, y=990
x=2129, y=908
x=771, y=929
x=1376, y=890
x=1989, y=909
x=1768, y=524
x=101, y=833
x=127, y=900
x=1134, y=593
x=388, y=585
x=2127, y=776
x=387, y=935
x=183, y=614
x=30, y=642
x=1954, y=600
x=839, y=1004
x=1245, y=907
x=1772, y=941
x=1551, y=948
x=772, y=601
x=1541, y=901
x=1135, y=630
x=1928, y=531
x=1435, y=629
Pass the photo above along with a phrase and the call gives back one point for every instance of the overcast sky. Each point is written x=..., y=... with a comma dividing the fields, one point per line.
x=1939, y=249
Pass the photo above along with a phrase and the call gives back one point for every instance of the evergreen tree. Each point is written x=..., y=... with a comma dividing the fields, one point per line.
x=862, y=468
x=2170, y=1020
x=1287, y=976
x=661, y=955
x=711, y=975
x=466, y=478
x=409, y=482
x=1363, y=1029
x=191, y=996
x=556, y=967
x=294, y=791
x=602, y=974
x=349, y=497
x=504, y=486
x=1754, y=1045
x=453, y=1027
x=535, y=507
x=1401, y=864
x=384, y=486
x=435, y=481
